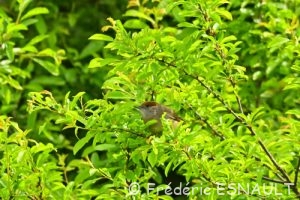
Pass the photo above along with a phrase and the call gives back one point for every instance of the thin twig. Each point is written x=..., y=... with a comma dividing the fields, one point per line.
x=248, y=126
x=273, y=180
x=296, y=173
x=215, y=132
x=283, y=173
x=202, y=173
x=129, y=131
x=279, y=176
x=238, y=100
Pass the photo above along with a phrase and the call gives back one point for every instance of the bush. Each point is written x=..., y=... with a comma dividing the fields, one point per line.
x=230, y=71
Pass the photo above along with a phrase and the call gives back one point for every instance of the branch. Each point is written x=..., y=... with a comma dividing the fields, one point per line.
x=297, y=172
x=238, y=100
x=273, y=180
x=243, y=121
x=249, y=127
x=114, y=129
x=129, y=131
x=279, y=176
x=201, y=172
x=215, y=132
x=217, y=96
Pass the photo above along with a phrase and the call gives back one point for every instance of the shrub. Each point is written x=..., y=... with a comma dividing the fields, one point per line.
x=230, y=70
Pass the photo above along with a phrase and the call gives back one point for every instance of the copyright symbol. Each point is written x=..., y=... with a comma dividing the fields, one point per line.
x=134, y=188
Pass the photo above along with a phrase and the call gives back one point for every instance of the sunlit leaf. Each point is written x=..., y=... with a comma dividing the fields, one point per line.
x=101, y=37
x=34, y=12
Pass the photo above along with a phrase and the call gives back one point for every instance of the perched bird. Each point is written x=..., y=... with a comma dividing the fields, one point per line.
x=151, y=110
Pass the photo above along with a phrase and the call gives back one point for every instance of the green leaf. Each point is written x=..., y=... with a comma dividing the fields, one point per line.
x=21, y=155
x=135, y=24
x=228, y=39
x=12, y=82
x=15, y=27
x=49, y=66
x=100, y=147
x=172, y=4
x=29, y=48
x=295, y=112
x=135, y=13
x=9, y=50
x=41, y=26
x=152, y=158
x=224, y=13
x=75, y=99
x=23, y=5
x=164, y=54
x=277, y=41
x=100, y=62
x=35, y=11
x=257, y=113
x=216, y=17
x=46, y=80
x=296, y=68
x=40, y=147
x=82, y=142
x=118, y=95
x=37, y=39
x=187, y=25
x=167, y=169
x=101, y=37
x=105, y=147
x=292, y=86
x=257, y=75
x=92, y=171
x=47, y=52
x=91, y=48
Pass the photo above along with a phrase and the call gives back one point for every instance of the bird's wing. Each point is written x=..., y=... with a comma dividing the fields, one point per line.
x=170, y=114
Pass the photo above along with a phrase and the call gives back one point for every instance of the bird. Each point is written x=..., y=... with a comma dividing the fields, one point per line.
x=151, y=110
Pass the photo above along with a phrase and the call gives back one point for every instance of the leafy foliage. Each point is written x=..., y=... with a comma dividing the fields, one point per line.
x=229, y=69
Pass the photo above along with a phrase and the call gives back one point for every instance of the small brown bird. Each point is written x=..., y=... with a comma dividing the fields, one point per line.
x=151, y=110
